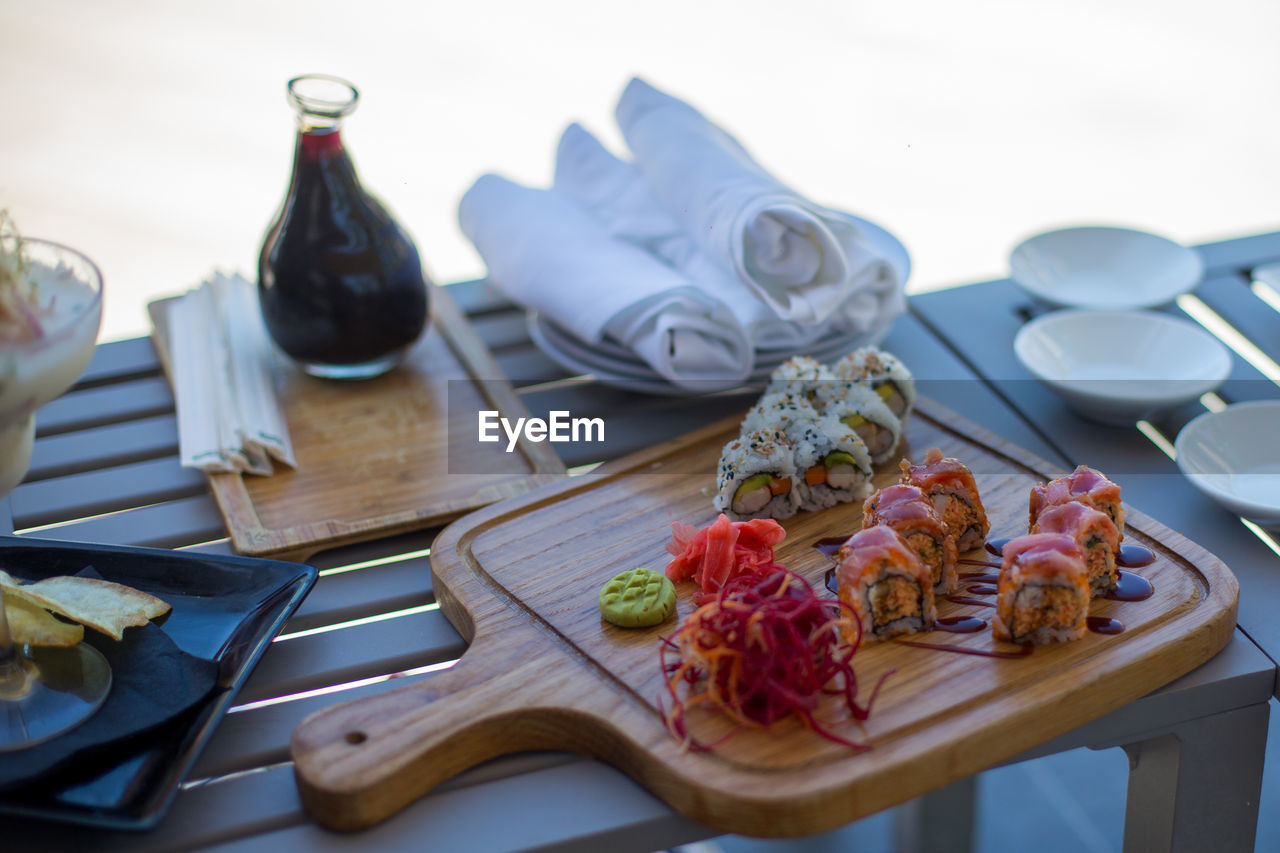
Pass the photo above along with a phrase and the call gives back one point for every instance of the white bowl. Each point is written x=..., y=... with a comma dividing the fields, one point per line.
x=1103, y=267
x=1120, y=366
x=1232, y=457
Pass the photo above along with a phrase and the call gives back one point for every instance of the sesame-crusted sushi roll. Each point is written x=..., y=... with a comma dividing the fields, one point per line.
x=799, y=375
x=1042, y=595
x=1084, y=485
x=831, y=462
x=907, y=510
x=778, y=410
x=886, y=375
x=1096, y=535
x=756, y=477
x=861, y=409
x=950, y=485
x=885, y=584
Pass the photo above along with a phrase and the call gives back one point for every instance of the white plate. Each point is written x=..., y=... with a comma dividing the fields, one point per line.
x=1233, y=457
x=1119, y=366
x=615, y=358
x=1103, y=267
x=634, y=375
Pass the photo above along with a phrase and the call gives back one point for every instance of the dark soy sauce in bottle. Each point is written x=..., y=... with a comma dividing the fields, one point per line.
x=339, y=281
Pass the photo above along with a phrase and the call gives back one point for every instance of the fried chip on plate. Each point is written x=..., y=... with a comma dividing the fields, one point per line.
x=102, y=605
x=32, y=624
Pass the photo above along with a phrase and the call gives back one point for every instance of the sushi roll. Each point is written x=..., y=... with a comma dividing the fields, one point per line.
x=885, y=584
x=1096, y=535
x=831, y=463
x=950, y=485
x=884, y=373
x=778, y=410
x=755, y=477
x=861, y=409
x=1042, y=595
x=907, y=510
x=1084, y=485
x=799, y=375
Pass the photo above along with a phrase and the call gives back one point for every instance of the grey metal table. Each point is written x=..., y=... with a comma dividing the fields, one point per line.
x=105, y=470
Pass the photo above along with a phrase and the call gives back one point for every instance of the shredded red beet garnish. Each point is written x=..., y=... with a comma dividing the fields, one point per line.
x=765, y=648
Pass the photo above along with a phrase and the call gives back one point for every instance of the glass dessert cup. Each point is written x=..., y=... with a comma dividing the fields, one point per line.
x=45, y=343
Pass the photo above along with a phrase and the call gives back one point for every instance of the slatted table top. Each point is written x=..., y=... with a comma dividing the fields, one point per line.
x=1241, y=289
x=105, y=470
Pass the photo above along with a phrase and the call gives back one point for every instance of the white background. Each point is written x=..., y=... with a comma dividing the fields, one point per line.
x=155, y=136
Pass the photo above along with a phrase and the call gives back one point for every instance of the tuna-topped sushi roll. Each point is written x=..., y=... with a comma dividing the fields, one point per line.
x=831, y=463
x=1084, y=485
x=1096, y=535
x=907, y=510
x=885, y=584
x=950, y=485
x=884, y=373
x=799, y=375
x=862, y=410
x=1042, y=595
x=755, y=477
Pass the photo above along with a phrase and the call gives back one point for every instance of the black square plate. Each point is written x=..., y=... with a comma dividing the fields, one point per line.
x=225, y=608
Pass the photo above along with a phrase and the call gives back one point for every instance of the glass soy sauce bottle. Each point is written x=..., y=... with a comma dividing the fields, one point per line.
x=340, y=283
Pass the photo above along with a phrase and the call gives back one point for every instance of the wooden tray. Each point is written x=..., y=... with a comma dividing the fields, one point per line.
x=374, y=456
x=520, y=581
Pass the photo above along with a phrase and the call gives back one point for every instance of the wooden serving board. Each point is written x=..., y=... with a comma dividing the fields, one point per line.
x=374, y=456
x=520, y=581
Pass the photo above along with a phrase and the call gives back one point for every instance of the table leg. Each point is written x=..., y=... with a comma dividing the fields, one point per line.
x=939, y=822
x=1197, y=788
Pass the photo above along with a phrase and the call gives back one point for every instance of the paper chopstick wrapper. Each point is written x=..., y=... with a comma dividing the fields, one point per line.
x=229, y=418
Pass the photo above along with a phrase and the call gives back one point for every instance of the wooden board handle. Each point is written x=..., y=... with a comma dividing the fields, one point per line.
x=361, y=761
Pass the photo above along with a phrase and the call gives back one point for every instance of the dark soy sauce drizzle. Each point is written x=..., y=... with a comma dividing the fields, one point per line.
x=1022, y=651
x=832, y=583
x=980, y=589
x=830, y=546
x=996, y=546
x=1104, y=625
x=967, y=562
x=964, y=599
x=1131, y=588
x=960, y=624
x=1134, y=556
x=980, y=577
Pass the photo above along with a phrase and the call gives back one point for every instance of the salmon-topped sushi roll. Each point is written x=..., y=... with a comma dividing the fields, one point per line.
x=1096, y=535
x=885, y=583
x=1084, y=485
x=950, y=485
x=907, y=510
x=1042, y=595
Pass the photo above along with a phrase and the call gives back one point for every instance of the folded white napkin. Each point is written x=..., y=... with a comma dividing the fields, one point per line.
x=615, y=191
x=229, y=418
x=546, y=251
x=800, y=258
